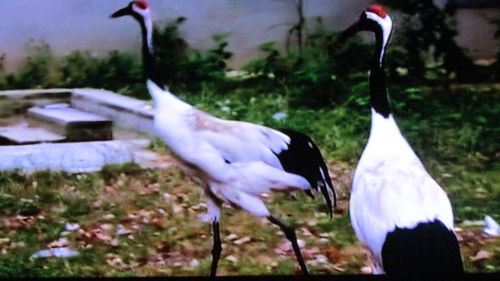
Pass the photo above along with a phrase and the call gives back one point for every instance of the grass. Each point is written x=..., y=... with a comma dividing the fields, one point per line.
x=160, y=211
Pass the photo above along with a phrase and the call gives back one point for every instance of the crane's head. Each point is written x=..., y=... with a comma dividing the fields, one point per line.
x=138, y=9
x=374, y=18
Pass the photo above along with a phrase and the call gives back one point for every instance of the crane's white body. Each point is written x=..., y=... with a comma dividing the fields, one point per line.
x=203, y=143
x=391, y=188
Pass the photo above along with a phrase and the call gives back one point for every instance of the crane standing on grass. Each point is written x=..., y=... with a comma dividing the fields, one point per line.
x=235, y=161
x=397, y=210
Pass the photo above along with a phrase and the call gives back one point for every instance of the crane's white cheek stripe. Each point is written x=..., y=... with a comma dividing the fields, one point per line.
x=386, y=25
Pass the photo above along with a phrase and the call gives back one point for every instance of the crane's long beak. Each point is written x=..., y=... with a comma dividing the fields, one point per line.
x=350, y=31
x=127, y=11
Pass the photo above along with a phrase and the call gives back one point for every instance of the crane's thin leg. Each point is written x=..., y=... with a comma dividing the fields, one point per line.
x=217, y=248
x=213, y=208
x=290, y=235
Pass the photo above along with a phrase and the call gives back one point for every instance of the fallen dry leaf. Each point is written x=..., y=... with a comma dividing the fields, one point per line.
x=306, y=232
x=103, y=237
x=115, y=261
x=194, y=263
x=156, y=259
x=159, y=222
x=63, y=242
x=309, y=253
x=481, y=255
x=334, y=255
x=231, y=237
x=4, y=241
x=366, y=270
x=232, y=259
x=338, y=268
x=243, y=240
x=121, y=230
x=108, y=217
x=320, y=259
x=18, y=222
x=130, y=218
x=163, y=247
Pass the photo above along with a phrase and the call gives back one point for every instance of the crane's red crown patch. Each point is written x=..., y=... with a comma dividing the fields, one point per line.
x=377, y=9
x=143, y=4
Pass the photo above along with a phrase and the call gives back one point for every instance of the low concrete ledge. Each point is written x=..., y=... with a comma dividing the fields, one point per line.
x=79, y=157
x=125, y=112
x=18, y=101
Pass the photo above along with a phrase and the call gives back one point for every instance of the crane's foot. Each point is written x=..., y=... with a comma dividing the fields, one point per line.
x=292, y=237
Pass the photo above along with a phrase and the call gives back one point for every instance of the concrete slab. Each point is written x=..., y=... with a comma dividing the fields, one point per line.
x=78, y=157
x=21, y=134
x=74, y=124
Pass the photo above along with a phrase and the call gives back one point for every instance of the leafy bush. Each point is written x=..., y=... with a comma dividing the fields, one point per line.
x=430, y=31
x=40, y=69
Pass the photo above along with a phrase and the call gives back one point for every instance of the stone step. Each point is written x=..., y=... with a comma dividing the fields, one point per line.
x=73, y=124
x=23, y=134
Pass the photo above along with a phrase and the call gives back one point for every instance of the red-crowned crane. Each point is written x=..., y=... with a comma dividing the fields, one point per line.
x=397, y=210
x=234, y=161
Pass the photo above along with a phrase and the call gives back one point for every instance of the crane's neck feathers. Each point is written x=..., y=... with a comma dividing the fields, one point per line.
x=378, y=89
x=150, y=66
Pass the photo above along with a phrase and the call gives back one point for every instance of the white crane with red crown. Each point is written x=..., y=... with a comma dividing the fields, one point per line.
x=397, y=210
x=234, y=161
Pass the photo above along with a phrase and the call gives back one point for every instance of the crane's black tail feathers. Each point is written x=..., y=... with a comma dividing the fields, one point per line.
x=304, y=158
x=430, y=251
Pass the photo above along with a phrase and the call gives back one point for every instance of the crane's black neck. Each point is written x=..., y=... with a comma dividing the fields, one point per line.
x=378, y=91
x=148, y=58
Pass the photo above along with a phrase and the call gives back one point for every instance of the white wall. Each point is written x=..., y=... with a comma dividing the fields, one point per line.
x=69, y=25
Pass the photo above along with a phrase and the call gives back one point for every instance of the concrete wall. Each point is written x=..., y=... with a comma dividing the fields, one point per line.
x=84, y=24
x=477, y=32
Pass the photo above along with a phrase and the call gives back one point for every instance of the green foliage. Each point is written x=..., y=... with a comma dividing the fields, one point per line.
x=39, y=70
x=120, y=72
x=78, y=69
x=156, y=144
x=10, y=203
x=172, y=52
x=429, y=30
x=185, y=69
x=320, y=75
x=209, y=66
x=286, y=267
x=341, y=229
x=111, y=171
x=76, y=206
